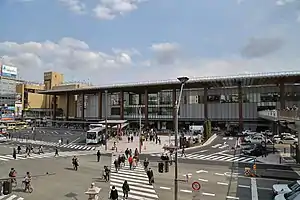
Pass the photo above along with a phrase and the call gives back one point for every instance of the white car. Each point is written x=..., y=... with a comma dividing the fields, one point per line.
x=276, y=138
x=3, y=138
x=286, y=188
x=288, y=140
x=293, y=195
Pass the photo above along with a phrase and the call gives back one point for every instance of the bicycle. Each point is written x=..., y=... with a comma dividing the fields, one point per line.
x=27, y=187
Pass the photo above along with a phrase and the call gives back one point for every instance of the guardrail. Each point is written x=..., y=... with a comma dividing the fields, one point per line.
x=280, y=114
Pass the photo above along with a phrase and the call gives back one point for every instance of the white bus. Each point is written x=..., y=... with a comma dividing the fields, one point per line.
x=95, y=136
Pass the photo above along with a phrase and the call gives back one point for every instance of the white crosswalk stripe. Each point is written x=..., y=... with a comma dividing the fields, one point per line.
x=11, y=197
x=137, y=180
x=227, y=138
x=43, y=143
x=215, y=157
x=9, y=157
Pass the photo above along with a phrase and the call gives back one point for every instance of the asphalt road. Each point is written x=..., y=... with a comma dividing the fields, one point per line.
x=64, y=184
x=50, y=134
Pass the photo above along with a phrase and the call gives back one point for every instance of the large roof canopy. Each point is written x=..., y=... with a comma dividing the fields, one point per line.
x=201, y=82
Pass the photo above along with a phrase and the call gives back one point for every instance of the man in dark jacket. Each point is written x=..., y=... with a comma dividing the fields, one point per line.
x=98, y=156
x=113, y=193
x=126, y=189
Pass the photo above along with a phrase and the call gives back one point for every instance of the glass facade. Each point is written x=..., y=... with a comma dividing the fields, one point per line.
x=222, y=103
x=7, y=98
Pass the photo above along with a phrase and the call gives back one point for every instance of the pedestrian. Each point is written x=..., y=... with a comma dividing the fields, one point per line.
x=98, y=156
x=128, y=138
x=107, y=172
x=19, y=149
x=183, y=152
x=150, y=176
x=131, y=138
x=146, y=163
x=127, y=153
x=14, y=153
x=126, y=189
x=130, y=161
x=56, y=152
x=113, y=193
x=116, y=164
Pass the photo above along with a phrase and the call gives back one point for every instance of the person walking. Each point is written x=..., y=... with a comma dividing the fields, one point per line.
x=113, y=193
x=14, y=153
x=56, y=152
x=183, y=152
x=126, y=189
x=130, y=161
x=98, y=156
x=150, y=176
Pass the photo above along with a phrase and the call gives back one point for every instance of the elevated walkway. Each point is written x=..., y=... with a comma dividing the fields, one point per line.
x=289, y=116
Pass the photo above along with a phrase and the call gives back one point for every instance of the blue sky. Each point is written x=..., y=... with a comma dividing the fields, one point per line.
x=112, y=41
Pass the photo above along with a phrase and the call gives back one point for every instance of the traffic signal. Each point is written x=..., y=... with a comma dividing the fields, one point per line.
x=161, y=167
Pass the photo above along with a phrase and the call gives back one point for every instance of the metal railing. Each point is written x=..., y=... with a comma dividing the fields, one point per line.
x=281, y=114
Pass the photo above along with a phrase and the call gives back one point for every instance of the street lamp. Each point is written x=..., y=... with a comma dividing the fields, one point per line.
x=182, y=80
x=106, y=113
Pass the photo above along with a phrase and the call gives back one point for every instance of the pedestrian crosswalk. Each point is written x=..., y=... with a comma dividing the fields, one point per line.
x=137, y=180
x=11, y=197
x=220, y=146
x=55, y=144
x=9, y=157
x=215, y=157
x=227, y=138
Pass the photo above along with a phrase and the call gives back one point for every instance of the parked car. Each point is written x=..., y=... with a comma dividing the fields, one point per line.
x=276, y=139
x=293, y=195
x=3, y=138
x=288, y=140
x=254, y=150
x=286, y=188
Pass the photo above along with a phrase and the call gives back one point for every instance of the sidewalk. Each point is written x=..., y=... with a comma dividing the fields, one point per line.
x=277, y=158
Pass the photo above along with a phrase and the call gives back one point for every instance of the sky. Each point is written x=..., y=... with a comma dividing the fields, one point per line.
x=123, y=41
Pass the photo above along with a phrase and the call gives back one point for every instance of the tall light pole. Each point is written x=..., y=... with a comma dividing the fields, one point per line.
x=106, y=113
x=182, y=80
x=140, y=132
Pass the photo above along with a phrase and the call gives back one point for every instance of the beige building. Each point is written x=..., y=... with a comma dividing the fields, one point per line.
x=38, y=105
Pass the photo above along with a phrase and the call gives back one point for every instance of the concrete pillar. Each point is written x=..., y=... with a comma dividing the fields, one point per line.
x=146, y=108
x=174, y=98
x=82, y=106
x=67, y=105
x=282, y=95
x=240, y=97
x=121, y=105
x=205, y=94
x=100, y=105
x=54, y=107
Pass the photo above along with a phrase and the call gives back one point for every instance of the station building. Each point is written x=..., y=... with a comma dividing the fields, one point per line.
x=36, y=105
x=228, y=99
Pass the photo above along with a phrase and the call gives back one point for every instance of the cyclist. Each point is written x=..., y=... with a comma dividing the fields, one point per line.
x=12, y=174
x=27, y=181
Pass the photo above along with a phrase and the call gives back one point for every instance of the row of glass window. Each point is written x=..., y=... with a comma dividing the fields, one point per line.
x=165, y=98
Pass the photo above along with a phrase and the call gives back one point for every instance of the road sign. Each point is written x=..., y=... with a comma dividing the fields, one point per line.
x=196, y=185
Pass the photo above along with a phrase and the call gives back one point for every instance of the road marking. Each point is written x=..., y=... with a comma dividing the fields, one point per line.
x=201, y=171
x=165, y=188
x=221, y=183
x=244, y=186
x=186, y=191
x=187, y=174
x=230, y=197
x=204, y=180
x=254, y=193
x=218, y=174
x=208, y=194
x=75, y=140
x=262, y=188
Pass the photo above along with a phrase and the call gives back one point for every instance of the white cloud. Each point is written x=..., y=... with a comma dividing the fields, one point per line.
x=76, y=6
x=109, y=9
x=166, y=53
x=67, y=55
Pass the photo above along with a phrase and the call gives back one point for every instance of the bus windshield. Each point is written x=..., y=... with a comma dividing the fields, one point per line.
x=92, y=126
x=91, y=135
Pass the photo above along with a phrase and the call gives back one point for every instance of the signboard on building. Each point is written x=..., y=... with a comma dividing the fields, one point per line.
x=18, y=109
x=9, y=71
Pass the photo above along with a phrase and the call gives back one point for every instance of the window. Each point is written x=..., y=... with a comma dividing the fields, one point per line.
x=165, y=111
x=269, y=97
x=115, y=111
x=134, y=99
x=292, y=96
x=114, y=99
x=152, y=99
x=153, y=110
x=165, y=98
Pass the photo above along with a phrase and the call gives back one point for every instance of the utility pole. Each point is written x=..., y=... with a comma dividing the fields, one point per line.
x=140, y=134
x=182, y=80
x=106, y=113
